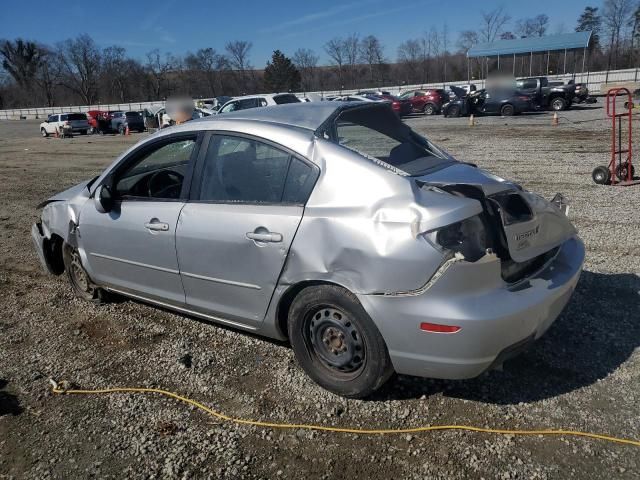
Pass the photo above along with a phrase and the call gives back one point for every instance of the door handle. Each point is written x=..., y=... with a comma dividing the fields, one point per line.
x=157, y=226
x=271, y=237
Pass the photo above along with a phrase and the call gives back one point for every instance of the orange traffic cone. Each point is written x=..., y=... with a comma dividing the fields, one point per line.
x=126, y=131
x=555, y=121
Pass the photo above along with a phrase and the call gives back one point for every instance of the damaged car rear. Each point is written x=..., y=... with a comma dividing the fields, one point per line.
x=334, y=226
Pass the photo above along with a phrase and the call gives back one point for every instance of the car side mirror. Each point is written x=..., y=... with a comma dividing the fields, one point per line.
x=103, y=199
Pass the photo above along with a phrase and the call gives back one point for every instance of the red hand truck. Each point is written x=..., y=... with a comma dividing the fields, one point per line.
x=620, y=170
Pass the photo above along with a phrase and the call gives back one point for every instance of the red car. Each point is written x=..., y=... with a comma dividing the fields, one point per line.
x=99, y=121
x=401, y=106
x=429, y=101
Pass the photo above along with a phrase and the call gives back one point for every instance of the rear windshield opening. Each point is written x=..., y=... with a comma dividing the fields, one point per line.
x=76, y=116
x=379, y=133
x=282, y=99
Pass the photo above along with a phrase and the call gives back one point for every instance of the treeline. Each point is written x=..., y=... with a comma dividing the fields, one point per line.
x=79, y=71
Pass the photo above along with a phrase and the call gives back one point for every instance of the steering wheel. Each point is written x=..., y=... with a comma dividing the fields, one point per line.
x=165, y=184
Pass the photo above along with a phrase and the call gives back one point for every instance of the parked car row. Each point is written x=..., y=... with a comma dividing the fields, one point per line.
x=94, y=121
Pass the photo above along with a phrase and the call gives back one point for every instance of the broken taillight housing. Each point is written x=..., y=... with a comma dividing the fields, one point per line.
x=468, y=237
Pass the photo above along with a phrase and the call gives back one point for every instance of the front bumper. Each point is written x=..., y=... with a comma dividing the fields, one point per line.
x=39, y=239
x=493, y=316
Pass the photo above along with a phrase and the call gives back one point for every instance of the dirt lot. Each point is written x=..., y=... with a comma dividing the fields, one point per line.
x=584, y=374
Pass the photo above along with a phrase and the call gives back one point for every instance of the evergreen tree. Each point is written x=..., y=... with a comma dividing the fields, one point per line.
x=281, y=75
x=591, y=21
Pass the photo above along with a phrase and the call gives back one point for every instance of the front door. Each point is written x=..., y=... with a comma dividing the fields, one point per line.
x=233, y=237
x=132, y=247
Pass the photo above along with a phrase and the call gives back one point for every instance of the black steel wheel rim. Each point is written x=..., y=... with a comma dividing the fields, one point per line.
x=335, y=341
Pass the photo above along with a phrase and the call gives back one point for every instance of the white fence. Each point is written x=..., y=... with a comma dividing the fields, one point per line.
x=594, y=80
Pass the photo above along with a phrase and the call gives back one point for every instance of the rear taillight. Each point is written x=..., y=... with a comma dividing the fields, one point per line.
x=467, y=237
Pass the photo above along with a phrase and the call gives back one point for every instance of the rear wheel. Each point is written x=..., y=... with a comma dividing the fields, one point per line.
x=336, y=342
x=507, y=110
x=454, y=111
x=429, y=109
x=81, y=284
x=44, y=133
x=623, y=170
x=601, y=175
x=558, y=104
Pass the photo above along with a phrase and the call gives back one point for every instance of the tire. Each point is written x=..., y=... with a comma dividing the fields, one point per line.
x=601, y=175
x=558, y=104
x=83, y=132
x=44, y=133
x=622, y=171
x=507, y=110
x=336, y=343
x=454, y=111
x=429, y=109
x=81, y=284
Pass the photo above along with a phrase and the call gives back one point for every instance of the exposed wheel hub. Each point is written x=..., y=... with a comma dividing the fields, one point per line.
x=79, y=275
x=335, y=340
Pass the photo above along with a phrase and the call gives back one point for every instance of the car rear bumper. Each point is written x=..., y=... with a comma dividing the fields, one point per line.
x=495, y=319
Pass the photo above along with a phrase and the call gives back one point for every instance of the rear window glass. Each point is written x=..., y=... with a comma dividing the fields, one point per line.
x=379, y=134
x=76, y=116
x=282, y=99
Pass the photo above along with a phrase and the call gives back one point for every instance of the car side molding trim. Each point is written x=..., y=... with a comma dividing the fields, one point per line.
x=137, y=264
x=184, y=310
x=220, y=280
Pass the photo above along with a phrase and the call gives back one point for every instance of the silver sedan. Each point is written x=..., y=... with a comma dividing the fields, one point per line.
x=330, y=224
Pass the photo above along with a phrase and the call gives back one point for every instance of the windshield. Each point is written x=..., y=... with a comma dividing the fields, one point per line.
x=377, y=133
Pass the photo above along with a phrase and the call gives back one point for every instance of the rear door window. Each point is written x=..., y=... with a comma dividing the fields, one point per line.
x=287, y=98
x=244, y=170
x=76, y=116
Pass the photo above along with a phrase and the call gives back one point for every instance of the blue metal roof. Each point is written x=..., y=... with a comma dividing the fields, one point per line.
x=562, y=41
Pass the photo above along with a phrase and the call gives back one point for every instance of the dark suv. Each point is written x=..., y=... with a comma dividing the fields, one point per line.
x=428, y=101
x=121, y=120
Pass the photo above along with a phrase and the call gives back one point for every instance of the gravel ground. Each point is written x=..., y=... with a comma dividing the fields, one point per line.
x=583, y=374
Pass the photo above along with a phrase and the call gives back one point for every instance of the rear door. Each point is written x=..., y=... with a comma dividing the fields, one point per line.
x=234, y=234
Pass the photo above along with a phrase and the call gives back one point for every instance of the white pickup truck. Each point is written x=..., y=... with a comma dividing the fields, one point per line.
x=77, y=122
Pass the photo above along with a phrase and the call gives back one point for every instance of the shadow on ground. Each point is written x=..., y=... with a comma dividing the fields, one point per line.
x=9, y=404
x=596, y=333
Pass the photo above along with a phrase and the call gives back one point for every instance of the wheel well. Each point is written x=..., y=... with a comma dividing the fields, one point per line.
x=284, y=304
x=52, y=248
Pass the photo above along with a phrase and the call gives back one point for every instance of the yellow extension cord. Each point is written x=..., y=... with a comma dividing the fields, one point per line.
x=359, y=431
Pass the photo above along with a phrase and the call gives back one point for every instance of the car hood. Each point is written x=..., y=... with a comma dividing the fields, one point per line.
x=531, y=225
x=70, y=193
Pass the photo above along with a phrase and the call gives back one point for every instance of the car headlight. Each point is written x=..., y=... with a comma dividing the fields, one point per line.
x=467, y=237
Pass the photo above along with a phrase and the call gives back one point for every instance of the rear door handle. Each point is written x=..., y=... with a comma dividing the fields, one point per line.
x=157, y=226
x=265, y=237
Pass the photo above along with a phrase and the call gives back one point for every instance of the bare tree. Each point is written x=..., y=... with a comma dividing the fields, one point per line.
x=615, y=15
x=467, y=39
x=533, y=27
x=48, y=75
x=80, y=63
x=238, y=54
x=207, y=62
x=306, y=61
x=409, y=56
x=158, y=68
x=371, y=53
x=493, y=23
x=351, y=53
x=21, y=60
x=335, y=49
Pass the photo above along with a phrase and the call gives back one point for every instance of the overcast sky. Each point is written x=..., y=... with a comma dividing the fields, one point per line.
x=179, y=26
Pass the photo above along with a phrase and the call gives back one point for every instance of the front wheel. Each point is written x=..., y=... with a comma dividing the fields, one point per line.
x=336, y=342
x=507, y=110
x=601, y=175
x=430, y=109
x=81, y=284
x=453, y=111
x=558, y=104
